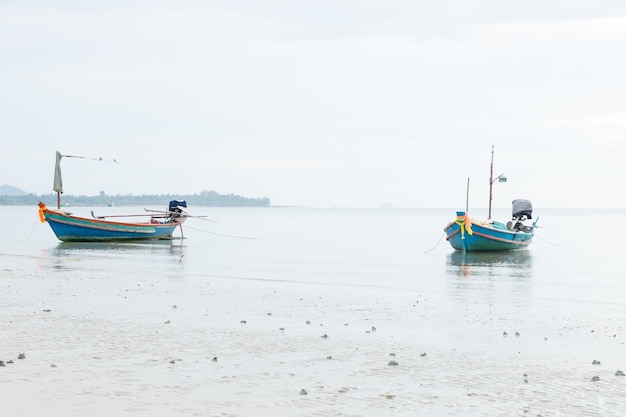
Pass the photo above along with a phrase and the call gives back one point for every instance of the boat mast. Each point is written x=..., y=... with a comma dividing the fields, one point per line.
x=490, y=183
x=58, y=180
x=467, y=198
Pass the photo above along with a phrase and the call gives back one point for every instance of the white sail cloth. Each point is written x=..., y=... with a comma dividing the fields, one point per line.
x=58, y=180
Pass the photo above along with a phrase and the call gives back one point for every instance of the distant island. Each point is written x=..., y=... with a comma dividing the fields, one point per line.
x=10, y=190
x=14, y=196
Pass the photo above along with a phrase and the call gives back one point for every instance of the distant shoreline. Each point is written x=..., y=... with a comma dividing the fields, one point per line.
x=205, y=198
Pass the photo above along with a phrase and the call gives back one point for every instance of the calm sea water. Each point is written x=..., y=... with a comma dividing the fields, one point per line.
x=544, y=314
x=574, y=259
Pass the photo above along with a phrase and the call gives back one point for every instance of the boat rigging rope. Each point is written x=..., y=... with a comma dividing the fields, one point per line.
x=99, y=159
x=431, y=249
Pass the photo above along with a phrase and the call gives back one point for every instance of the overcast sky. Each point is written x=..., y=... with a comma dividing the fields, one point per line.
x=321, y=103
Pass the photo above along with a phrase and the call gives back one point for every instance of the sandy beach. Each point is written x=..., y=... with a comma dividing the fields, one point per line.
x=101, y=346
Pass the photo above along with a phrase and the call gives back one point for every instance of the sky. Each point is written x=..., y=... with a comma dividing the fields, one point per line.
x=353, y=103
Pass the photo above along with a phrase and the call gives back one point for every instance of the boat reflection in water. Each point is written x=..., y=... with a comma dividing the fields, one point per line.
x=103, y=256
x=511, y=264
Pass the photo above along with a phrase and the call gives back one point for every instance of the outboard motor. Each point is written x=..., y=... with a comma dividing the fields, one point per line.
x=177, y=206
x=175, y=211
x=522, y=210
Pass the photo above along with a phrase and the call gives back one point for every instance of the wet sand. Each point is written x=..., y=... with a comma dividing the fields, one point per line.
x=98, y=344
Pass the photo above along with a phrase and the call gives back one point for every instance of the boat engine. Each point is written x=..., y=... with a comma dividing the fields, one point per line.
x=522, y=210
x=175, y=210
x=177, y=206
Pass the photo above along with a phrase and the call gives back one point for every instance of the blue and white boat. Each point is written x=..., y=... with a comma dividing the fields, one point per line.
x=468, y=235
x=158, y=226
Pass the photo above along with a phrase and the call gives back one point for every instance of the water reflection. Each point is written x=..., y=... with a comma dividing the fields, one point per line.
x=99, y=256
x=492, y=280
x=510, y=264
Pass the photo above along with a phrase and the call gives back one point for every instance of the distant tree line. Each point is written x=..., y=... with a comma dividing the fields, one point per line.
x=205, y=198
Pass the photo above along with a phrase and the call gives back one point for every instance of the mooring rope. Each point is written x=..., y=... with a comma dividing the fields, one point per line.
x=31, y=232
x=431, y=249
x=219, y=234
x=546, y=241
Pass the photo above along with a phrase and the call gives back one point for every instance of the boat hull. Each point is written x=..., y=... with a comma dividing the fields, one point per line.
x=70, y=228
x=485, y=238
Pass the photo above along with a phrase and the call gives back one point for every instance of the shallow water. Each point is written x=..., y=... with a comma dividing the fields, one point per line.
x=233, y=319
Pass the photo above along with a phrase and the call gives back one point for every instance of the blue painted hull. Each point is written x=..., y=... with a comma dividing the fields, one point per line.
x=486, y=237
x=69, y=228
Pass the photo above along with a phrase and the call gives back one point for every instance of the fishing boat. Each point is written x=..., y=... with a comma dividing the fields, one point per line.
x=469, y=235
x=156, y=225
x=160, y=225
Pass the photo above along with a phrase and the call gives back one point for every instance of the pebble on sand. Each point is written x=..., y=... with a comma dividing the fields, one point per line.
x=21, y=356
x=324, y=336
x=303, y=392
x=595, y=379
x=393, y=363
x=596, y=362
x=619, y=373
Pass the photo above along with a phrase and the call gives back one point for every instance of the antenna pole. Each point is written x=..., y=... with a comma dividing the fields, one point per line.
x=467, y=198
x=490, y=183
